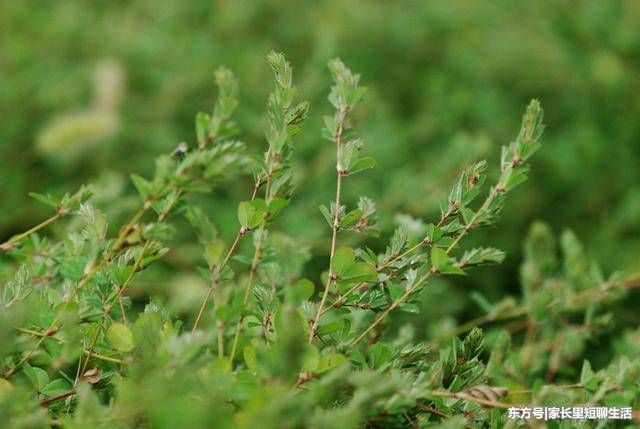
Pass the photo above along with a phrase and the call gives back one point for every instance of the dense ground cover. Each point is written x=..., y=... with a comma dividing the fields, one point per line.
x=97, y=94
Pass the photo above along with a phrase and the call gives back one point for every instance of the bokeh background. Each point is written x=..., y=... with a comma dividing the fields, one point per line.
x=90, y=93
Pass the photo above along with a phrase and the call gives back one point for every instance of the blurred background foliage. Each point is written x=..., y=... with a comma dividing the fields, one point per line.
x=91, y=94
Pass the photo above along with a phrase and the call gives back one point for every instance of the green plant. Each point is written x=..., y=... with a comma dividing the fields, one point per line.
x=273, y=349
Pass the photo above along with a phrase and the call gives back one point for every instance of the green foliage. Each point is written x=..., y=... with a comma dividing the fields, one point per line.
x=280, y=348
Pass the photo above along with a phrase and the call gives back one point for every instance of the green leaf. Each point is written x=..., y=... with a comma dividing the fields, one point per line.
x=302, y=290
x=379, y=354
x=482, y=256
x=331, y=361
x=350, y=218
x=342, y=260
x=213, y=252
x=410, y=308
x=72, y=268
x=45, y=199
x=330, y=327
x=143, y=186
x=248, y=215
x=5, y=389
x=259, y=204
x=395, y=291
x=361, y=164
x=120, y=337
x=439, y=258
x=250, y=359
x=310, y=359
x=453, y=269
x=276, y=205
x=203, y=122
x=587, y=377
x=359, y=272
x=327, y=215
x=159, y=231
x=56, y=387
x=38, y=376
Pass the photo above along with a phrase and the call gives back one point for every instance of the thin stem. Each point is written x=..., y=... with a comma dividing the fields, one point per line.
x=46, y=402
x=8, y=245
x=466, y=397
x=560, y=386
x=338, y=302
x=214, y=281
x=474, y=219
x=241, y=232
x=481, y=321
x=330, y=279
x=392, y=307
x=256, y=256
x=107, y=311
x=631, y=282
x=335, y=226
x=220, y=332
x=384, y=265
x=470, y=225
x=247, y=290
x=83, y=282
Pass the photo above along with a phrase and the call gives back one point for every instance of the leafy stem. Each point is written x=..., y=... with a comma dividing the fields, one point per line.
x=344, y=95
x=90, y=271
x=512, y=173
x=10, y=243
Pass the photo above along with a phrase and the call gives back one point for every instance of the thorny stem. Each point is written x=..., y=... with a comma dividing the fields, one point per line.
x=335, y=226
x=8, y=245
